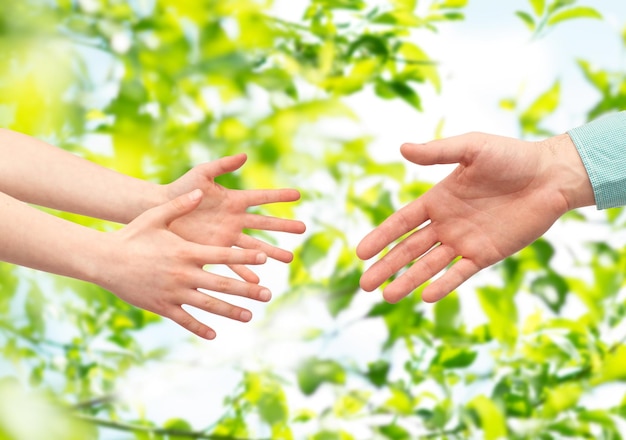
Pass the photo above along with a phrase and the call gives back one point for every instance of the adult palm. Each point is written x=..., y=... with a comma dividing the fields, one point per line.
x=503, y=195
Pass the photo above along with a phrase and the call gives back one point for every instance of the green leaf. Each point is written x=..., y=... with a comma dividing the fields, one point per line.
x=315, y=372
x=453, y=357
x=447, y=315
x=573, y=13
x=408, y=5
x=400, y=402
x=177, y=424
x=559, y=4
x=363, y=70
x=514, y=394
x=528, y=20
x=452, y=4
x=315, y=248
x=265, y=393
x=395, y=432
x=539, y=7
x=350, y=404
x=508, y=104
x=377, y=372
x=400, y=17
x=342, y=290
x=561, y=398
x=369, y=45
x=356, y=5
x=332, y=435
x=304, y=415
x=500, y=308
x=544, y=105
x=598, y=78
x=552, y=289
x=417, y=65
x=612, y=366
x=392, y=89
x=491, y=420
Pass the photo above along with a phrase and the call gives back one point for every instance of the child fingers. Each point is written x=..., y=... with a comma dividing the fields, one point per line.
x=188, y=322
x=205, y=254
x=246, y=242
x=218, y=307
x=244, y=273
x=218, y=283
x=255, y=197
x=267, y=223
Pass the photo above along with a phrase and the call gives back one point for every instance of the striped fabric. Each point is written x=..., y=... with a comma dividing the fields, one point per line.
x=602, y=148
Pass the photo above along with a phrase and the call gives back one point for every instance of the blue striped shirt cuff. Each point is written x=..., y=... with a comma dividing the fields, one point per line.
x=602, y=148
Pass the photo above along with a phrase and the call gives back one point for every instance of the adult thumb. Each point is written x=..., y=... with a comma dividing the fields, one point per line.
x=455, y=149
x=178, y=207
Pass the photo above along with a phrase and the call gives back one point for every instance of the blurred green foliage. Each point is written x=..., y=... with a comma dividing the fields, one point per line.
x=151, y=88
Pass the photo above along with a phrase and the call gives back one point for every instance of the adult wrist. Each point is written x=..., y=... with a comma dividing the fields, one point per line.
x=568, y=173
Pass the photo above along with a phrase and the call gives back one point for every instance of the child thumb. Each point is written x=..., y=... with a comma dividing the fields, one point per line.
x=179, y=206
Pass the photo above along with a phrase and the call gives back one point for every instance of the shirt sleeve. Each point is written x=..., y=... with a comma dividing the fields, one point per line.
x=602, y=148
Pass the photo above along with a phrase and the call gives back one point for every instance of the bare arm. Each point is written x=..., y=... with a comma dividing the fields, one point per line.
x=35, y=172
x=144, y=263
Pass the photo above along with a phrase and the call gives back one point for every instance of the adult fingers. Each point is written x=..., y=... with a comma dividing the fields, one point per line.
x=397, y=224
x=409, y=249
x=456, y=275
x=246, y=242
x=455, y=149
x=255, y=197
x=422, y=270
x=185, y=320
x=245, y=273
x=267, y=223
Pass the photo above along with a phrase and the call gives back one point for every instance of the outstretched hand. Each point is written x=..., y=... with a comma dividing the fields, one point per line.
x=222, y=217
x=503, y=195
x=151, y=267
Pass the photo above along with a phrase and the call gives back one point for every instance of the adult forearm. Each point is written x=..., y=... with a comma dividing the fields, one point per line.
x=35, y=172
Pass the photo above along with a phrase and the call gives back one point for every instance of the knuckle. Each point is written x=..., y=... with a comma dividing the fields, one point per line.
x=180, y=276
x=223, y=285
x=178, y=204
x=190, y=323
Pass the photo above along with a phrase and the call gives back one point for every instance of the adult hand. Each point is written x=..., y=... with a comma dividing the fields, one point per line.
x=503, y=195
x=151, y=267
x=222, y=217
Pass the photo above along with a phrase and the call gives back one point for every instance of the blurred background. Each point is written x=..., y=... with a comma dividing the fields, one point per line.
x=320, y=94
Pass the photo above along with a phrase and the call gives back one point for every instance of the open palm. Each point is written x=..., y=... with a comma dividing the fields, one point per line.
x=222, y=217
x=503, y=195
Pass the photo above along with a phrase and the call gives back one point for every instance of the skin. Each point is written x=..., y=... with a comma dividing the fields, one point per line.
x=503, y=195
x=36, y=166
x=172, y=231
x=222, y=216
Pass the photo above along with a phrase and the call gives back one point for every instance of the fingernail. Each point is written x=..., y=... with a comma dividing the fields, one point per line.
x=261, y=258
x=195, y=195
x=210, y=334
x=265, y=295
x=245, y=316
